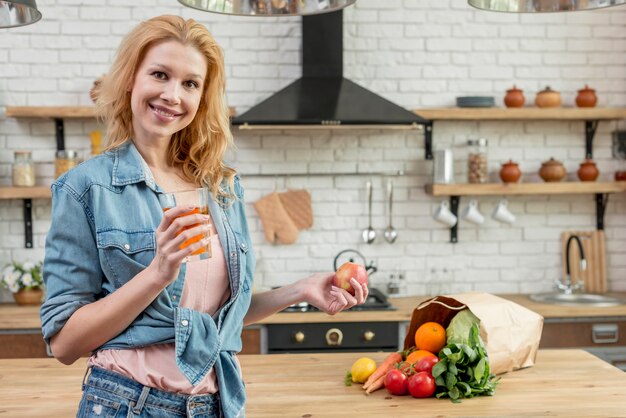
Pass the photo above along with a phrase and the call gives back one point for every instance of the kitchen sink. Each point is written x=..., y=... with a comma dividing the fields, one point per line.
x=577, y=299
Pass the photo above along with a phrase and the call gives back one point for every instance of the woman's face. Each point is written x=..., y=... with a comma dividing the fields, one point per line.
x=167, y=90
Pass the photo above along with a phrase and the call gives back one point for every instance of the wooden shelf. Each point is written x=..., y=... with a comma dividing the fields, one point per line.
x=37, y=192
x=498, y=189
x=52, y=112
x=523, y=113
x=57, y=112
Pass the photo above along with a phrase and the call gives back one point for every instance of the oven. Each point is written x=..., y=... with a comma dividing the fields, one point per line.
x=335, y=336
x=332, y=337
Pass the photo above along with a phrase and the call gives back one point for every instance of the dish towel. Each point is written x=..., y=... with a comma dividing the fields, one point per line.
x=284, y=214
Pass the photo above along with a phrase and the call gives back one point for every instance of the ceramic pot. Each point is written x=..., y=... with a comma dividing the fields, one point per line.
x=588, y=171
x=514, y=97
x=510, y=172
x=620, y=175
x=552, y=170
x=28, y=296
x=586, y=97
x=548, y=98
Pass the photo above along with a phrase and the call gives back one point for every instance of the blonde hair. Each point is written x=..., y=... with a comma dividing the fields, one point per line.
x=198, y=148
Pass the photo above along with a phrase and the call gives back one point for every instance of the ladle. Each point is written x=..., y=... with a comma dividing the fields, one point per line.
x=390, y=233
x=369, y=235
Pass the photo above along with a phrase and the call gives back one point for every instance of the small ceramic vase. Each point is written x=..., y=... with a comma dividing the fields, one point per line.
x=548, y=98
x=510, y=172
x=514, y=97
x=552, y=170
x=588, y=171
x=586, y=97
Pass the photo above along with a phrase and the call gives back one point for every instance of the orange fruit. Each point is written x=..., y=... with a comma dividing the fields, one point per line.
x=417, y=355
x=430, y=336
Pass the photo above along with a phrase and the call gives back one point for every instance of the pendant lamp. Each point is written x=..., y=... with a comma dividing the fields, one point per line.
x=16, y=13
x=542, y=6
x=268, y=7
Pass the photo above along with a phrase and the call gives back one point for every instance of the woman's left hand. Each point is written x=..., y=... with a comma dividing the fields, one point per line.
x=330, y=299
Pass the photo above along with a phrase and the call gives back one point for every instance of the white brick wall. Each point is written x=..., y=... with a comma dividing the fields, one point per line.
x=416, y=53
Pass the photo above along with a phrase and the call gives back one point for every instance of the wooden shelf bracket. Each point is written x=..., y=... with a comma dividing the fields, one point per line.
x=590, y=132
x=28, y=223
x=601, y=201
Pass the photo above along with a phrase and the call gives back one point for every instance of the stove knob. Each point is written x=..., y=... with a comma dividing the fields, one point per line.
x=334, y=336
x=368, y=335
x=299, y=337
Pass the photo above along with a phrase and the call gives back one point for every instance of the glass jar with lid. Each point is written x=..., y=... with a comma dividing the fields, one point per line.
x=23, y=169
x=65, y=159
x=477, y=167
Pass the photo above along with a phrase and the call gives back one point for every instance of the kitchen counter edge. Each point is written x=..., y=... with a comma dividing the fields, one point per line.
x=13, y=317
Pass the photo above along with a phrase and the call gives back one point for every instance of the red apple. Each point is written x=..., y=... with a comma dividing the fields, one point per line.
x=346, y=272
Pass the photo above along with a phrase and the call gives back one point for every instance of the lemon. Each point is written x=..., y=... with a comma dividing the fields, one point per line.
x=362, y=369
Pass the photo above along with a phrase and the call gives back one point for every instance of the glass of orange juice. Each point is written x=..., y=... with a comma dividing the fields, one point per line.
x=198, y=199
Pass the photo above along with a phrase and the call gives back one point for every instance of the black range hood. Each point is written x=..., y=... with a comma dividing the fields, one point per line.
x=323, y=97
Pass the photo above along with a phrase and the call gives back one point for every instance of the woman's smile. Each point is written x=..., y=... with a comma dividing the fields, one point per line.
x=163, y=113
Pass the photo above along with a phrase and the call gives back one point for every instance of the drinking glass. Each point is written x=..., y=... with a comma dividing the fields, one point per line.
x=199, y=200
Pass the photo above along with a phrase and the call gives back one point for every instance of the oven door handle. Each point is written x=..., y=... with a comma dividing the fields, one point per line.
x=334, y=337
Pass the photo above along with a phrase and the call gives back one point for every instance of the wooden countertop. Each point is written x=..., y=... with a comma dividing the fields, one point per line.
x=14, y=317
x=562, y=383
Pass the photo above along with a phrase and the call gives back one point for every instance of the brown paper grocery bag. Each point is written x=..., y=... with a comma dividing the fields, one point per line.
x=510, y=332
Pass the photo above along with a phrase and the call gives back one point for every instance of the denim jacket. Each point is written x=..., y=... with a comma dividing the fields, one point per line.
x=104, y=216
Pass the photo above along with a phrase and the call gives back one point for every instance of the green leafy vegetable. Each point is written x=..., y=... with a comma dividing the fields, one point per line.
x=463, y=369
x=348, y=379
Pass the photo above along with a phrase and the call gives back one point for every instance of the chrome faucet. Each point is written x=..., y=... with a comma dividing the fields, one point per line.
x=566, y=285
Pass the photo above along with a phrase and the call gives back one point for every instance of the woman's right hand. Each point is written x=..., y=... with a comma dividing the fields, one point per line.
x=169, y=255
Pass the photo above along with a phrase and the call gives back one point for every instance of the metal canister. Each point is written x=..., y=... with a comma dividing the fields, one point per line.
x=443, y=167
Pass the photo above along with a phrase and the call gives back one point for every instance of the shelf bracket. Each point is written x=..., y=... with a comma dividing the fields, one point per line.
x=601, y=201
x=454, y=208
x=60, y=132
x=28, y=223
x=590, y=132
x=428, y=139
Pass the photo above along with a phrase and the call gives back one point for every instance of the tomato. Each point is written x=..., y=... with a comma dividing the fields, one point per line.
x=396, y=382
x=407, y=368
x=426, y=364
x=421, y=385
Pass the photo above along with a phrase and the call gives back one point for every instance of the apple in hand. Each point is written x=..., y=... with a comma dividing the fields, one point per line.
x=346, y=272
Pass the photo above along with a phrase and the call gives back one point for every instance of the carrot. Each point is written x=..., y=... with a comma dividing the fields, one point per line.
x=384, y=367
x=376, y=384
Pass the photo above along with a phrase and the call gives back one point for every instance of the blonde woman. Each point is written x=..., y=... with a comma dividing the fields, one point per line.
x=162, y=334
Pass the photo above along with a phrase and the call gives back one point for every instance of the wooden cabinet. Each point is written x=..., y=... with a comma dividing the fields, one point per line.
x=603, y=337
x=30, y=343
x=251, y=338
x=22, y=344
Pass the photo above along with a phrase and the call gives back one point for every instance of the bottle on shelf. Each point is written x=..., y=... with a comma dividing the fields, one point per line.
x=477, y=167
x=23, y=169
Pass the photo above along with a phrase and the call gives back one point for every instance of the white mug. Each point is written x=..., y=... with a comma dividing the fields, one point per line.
x=502, y=213
x=444, y=215
x=472, y=214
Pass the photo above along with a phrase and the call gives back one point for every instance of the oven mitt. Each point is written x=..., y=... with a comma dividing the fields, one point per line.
x=277, y=225
x=297, y=203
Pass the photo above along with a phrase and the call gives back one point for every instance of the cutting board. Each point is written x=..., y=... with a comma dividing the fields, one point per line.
x=594, y=277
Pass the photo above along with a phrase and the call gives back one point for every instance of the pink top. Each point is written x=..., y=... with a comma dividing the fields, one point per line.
x=206, y=289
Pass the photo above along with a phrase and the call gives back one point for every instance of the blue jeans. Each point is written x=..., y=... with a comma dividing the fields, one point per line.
x=108, y=394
